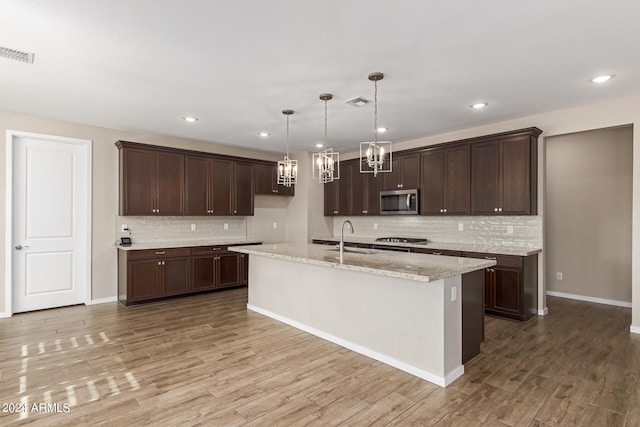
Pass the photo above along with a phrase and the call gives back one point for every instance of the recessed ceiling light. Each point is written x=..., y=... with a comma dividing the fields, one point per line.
x=319, y=145
x=479, y=105
x=601, y=79
x=263, y=134
x=190, y=119
x=382, y=130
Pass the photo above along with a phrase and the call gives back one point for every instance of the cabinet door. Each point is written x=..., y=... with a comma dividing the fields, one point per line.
x=197, y=185
x=175, y=280
x=243, y=189
x=457, y=181
x=371, y=190
x=331, y=190
x=507, y=291
x=485, y=178
x=228, y=269
x=515, y=179
x=221, y=189
x=410, y=171
x=432, y=185
x=203, y=272
x=357, y=198
x=393, y=180
x=143, y=279
x=264, y=179
x=138, y=187
x=170, y=183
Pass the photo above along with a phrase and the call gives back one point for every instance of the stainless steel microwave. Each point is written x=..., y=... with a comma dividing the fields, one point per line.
x=399, y=202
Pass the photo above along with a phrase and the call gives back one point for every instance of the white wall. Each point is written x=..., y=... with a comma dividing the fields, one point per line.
x=624, y=111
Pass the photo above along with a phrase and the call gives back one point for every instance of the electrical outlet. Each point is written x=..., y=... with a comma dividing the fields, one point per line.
x=275, y=225
x=454, y=293
x=124, y=228
x=460, y=226
x=559, y=275
x=509, y=229
x=375, y=225
x=226, y=226
x=193, y=227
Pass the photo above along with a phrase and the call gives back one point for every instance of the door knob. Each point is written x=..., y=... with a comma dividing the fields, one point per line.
x=19, y=247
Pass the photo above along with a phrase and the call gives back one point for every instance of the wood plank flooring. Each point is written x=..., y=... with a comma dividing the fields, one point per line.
x=206, y=360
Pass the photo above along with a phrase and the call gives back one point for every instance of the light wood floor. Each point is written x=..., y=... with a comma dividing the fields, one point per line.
x=206, y=360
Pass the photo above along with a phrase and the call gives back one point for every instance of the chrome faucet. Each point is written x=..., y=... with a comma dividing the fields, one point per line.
x=342, y=238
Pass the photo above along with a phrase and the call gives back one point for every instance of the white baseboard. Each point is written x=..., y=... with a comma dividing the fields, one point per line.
x=634, y=329
x=543, y=312
x=103, y=300
x=4, y=314
x=420, y=373
x=590, y=299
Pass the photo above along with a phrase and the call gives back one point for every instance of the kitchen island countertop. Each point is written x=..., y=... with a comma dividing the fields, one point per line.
x=417, y=267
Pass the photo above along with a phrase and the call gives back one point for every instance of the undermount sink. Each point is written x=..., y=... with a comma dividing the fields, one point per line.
x=363, y=251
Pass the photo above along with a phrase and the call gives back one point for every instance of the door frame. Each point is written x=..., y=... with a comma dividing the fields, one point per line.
x=11, y=139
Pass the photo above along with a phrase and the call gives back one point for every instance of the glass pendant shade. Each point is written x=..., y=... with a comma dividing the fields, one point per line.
x=287, y=168
x=326, y=163
x=375, y=156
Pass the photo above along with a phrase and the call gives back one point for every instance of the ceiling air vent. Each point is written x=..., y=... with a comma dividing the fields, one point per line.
x=358, y=101
x=16, y=55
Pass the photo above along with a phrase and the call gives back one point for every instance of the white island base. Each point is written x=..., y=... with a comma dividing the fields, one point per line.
x=411, y=325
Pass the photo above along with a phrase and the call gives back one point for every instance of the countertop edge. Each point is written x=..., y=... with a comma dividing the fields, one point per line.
x=187, y=244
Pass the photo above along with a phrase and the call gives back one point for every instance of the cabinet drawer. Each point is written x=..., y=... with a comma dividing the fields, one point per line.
x=158, y=253
x=205, y=250
x=501, y=260
x=437, y=252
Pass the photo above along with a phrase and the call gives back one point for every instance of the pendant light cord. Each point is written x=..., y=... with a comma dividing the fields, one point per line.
x=375, y=113
x=287, y=135
x=325, y=124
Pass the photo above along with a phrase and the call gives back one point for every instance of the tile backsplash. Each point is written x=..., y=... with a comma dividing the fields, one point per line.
x=149, y=229
x=518, y=231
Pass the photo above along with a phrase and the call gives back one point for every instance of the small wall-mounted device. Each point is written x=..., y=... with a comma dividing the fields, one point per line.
x=125, y=241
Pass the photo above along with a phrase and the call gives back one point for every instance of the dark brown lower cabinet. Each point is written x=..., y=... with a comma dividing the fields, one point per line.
x=151, y=274
x=215, y=267
x=147, y=275
x=510, y=285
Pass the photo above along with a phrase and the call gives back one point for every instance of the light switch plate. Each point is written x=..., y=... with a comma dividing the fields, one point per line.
x=193, y=227
x=275, y=225
x=509, y=229
x=226, y=226
x=460, y=226
x=454, y=293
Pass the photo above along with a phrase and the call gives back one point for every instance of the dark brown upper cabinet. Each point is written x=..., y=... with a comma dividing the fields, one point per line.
x=172, y=182
x=218, y=186
x=364, y=190
x=151, y=181
x=405, y=172
x=336, y=195
x=445, y=187
x=266, y=181
x=504, y=174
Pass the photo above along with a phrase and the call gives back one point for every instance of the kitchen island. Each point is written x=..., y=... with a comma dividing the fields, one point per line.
x=402, y=309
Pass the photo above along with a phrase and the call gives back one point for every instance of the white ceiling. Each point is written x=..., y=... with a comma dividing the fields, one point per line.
x=142, y=65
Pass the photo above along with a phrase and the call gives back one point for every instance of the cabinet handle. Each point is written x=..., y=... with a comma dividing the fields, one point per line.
x=216, y=249
x=364, y=212
x=160, y=252
x=242, y=256
x=495, y=209
x=235, y=212
x=491, y=258
x=436, y=253
x=159, y=262
x=499, y=209
x=163, y=262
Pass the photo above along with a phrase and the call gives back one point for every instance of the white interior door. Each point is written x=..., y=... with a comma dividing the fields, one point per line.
x=50, y=222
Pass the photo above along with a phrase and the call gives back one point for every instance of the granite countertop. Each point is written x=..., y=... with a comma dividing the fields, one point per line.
x=411, y=266
x=464, y=247
x=189, y=243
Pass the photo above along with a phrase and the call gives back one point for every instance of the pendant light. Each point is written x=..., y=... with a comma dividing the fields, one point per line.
x=375, y=156
x=287, y=168
x=326, y=163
